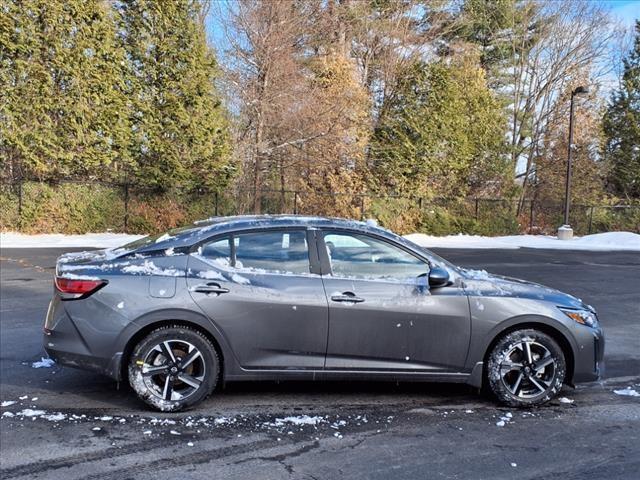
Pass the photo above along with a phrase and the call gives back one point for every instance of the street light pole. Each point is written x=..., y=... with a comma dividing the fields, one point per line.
x=567, y=184
x=565, y=232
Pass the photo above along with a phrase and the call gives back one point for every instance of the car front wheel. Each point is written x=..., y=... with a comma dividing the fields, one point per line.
x=173, y=368
x=526, y=368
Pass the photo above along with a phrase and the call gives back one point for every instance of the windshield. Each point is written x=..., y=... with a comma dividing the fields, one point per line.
x=435, y=259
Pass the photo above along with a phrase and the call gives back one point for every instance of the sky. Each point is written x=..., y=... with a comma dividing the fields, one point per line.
x=626, y=10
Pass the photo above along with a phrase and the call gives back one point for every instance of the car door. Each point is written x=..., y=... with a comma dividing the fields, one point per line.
x=382, y=313
x=258, y=287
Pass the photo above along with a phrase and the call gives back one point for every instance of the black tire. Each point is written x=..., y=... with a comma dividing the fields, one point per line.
x=526, y=368
x=173, y=368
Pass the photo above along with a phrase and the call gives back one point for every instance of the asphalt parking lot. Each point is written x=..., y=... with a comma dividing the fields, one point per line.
x=85, y=426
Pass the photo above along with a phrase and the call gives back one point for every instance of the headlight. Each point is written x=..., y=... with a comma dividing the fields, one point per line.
x=585, y=317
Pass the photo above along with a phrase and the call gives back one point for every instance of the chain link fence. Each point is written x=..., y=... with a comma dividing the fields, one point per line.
x=78, y=207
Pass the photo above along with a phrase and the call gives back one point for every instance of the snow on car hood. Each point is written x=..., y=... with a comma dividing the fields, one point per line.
x=482, y=283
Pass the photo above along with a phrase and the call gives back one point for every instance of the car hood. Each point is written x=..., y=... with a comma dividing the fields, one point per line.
x=481, y=283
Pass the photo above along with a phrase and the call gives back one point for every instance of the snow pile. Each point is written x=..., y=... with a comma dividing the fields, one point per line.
x=43, y=363
x=58, y=240
x=609, y=241
x=628, y=392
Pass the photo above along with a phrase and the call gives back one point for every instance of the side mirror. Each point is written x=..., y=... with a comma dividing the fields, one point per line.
x=438, y=277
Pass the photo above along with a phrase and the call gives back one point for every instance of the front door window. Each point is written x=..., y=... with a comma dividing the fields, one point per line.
x=364, y=257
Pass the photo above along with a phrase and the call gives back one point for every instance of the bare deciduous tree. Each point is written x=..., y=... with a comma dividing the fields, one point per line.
x=559, y=45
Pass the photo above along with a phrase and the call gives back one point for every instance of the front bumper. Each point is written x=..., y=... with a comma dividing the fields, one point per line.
x=589, y=356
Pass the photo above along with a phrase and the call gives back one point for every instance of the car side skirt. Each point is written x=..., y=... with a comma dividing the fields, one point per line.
x=365, y=375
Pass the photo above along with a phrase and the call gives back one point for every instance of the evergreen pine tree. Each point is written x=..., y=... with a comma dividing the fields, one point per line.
x=443, y=134
x=621, y=126
x=179, y=124
x=63, y=110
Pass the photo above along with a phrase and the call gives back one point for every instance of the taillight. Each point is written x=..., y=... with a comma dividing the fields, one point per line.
x=74, y=288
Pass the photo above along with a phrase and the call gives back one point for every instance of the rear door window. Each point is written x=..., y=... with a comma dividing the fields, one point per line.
x=273, y=251
x=281, y=251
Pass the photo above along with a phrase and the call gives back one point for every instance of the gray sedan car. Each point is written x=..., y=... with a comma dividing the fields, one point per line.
x=289, y=297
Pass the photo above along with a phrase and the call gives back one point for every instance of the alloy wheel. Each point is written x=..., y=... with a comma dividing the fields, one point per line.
x=528, y=369
x=173, y=370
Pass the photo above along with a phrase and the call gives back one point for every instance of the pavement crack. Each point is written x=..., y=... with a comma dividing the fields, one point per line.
x=281, y=458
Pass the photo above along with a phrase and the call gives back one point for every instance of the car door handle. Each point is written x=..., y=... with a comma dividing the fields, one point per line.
x=210, y=288
x=347, y=297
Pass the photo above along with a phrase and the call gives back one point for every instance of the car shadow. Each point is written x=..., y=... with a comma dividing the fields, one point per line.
x=71, y=389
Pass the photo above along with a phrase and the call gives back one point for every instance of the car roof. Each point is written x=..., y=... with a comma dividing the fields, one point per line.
x=204, y=229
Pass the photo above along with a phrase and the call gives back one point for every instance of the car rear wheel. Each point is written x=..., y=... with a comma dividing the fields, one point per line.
x=173, y=368
x=526, y=368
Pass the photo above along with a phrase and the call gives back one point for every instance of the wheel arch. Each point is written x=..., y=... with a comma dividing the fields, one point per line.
x=555, y=333
x=144, y=325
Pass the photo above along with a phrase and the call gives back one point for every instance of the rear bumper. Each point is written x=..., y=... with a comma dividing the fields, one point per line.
x=104, y=366
x=65, y=343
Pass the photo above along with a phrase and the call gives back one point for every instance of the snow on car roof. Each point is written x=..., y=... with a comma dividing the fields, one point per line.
x=203, y=229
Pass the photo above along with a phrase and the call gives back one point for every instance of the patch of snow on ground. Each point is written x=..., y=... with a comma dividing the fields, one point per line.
x=506, y=418
x=628, y=392
x=299, y=420
x=608, y=241
x=27, y=412
x=43, y=363
x=58, y=240
x=565, y=400
x=55, y=417
x=7, y=403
